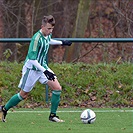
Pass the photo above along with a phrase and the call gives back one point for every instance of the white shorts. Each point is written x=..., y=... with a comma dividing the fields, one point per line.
x=30, y=77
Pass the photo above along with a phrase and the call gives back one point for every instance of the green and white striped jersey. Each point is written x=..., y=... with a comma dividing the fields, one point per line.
x=38, y=50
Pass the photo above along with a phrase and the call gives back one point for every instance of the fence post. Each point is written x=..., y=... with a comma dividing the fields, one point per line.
x=46, y=87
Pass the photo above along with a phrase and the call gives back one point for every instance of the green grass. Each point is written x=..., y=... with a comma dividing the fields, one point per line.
x=103, y=85
x=37, y=122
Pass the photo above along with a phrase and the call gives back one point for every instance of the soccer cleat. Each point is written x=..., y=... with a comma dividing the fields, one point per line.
x=3, y=113
x=55, y=118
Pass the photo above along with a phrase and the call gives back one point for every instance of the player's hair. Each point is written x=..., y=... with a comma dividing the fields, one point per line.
x=48, y=19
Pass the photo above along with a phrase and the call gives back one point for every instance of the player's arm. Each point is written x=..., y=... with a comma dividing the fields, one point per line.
x=57, y=42
x=48, y=74
x=37, y=65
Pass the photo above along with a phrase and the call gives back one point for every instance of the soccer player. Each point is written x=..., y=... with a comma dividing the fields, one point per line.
x=36, y=69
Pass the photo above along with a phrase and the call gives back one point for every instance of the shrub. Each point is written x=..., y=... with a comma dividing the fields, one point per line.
x=85, y=85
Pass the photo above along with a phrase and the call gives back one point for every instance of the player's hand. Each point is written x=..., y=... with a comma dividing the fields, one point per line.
x=49, y=75
x=65, y=42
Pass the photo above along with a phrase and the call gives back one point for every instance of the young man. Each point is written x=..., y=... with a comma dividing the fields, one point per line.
x=36, y=69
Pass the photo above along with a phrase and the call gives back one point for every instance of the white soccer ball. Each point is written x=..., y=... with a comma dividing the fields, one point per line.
x=88, y=116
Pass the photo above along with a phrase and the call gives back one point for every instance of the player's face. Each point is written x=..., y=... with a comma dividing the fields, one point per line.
x=47, y=29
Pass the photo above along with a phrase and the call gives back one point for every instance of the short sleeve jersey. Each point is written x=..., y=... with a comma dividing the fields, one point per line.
x=38, y=50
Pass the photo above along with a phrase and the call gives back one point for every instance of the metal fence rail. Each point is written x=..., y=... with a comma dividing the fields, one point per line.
x=78, y=40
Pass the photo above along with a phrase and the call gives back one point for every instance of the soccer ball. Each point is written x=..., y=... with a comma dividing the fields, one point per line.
x=88, y=116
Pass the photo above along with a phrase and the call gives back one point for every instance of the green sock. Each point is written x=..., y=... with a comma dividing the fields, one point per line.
x=55, y=101
x=14, y=100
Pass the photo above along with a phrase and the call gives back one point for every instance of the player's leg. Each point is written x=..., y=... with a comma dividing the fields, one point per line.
x=26, y=84
x=55, y=100
x=13, y=101
x=56, y=92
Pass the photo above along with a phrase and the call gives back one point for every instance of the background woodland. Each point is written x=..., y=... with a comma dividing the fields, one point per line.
x=74, y=19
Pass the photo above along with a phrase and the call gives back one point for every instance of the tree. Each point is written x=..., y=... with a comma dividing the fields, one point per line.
x=1, y=27
x=79, y=30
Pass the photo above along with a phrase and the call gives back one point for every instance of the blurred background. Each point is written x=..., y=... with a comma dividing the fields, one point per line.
x=74, y=19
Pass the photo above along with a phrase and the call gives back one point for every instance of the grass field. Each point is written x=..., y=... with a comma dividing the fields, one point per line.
x=36, y=121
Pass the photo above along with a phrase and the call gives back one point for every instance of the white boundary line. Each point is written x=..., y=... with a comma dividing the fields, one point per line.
x=76, y=111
